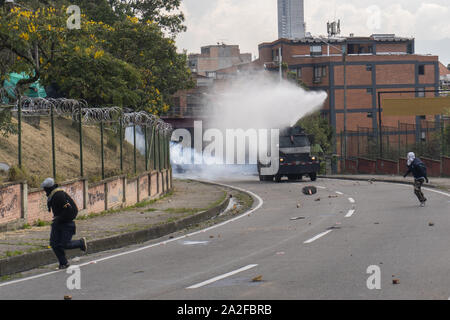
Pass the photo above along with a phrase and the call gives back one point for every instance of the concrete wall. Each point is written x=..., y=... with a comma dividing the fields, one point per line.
x=18, y=205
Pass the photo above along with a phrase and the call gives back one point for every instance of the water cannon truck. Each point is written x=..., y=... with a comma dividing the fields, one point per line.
x=295, y=159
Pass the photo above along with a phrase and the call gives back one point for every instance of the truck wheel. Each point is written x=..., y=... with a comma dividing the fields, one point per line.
x=313, y=176
x=277, y=178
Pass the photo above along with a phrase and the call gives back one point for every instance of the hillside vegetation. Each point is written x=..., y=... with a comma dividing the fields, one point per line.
x=37, y=152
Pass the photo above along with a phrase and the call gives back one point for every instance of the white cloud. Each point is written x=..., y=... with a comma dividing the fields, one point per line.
x=251, y=22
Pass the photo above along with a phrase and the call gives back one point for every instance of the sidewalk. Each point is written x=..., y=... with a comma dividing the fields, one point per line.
x=189, y=203
x=435, y=182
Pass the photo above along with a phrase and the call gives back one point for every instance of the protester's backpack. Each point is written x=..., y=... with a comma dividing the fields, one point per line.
x=422, y=168
x=69, y=209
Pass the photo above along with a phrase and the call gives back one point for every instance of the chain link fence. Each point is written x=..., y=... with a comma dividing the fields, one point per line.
x=430, y=139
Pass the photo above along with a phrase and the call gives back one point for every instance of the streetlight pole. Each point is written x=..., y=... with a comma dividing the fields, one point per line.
x=344, y=62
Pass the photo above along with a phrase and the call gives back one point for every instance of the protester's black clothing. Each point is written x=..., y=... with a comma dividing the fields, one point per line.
x=416, y=168
x=61, y=239
x=61, y=204
x=63, y=226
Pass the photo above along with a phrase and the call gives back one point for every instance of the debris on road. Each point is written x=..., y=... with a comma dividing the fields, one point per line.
x=318, y=199
x=431, y=224
x=257, y=278
x=298, y=205
x=297, y=218
x=67, y=297
x=395, y=281
x=332, y=196
x=309, y=190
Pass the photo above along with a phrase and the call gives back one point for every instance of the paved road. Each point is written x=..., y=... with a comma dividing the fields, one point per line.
x=341, y=231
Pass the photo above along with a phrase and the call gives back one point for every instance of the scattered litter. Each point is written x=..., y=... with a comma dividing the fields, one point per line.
x=67, y=297
x=376, y=223
x=280, y=253
x=298, y=205
x=332, y=196
x=142, y=212
x=76, y=259
x=211, y=237
x=431, y=224
x=318, y=199
x=257, y=279
x=170, y=237
x=395, y=281
x=297, y=218
x=139, y=271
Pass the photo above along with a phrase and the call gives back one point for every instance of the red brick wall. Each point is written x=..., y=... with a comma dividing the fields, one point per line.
x=433, y=167
x=367, y=166
x=10, y=203
x=397, y=47
x=395, y=74
x=351, y=166
x=387, y=167
x=446, y=166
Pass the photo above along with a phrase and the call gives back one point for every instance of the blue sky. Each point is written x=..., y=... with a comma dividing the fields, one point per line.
x=250, y=22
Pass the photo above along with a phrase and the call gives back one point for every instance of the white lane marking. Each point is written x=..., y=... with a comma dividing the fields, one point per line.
x=204, y=283
x=190, y=243
x=320, y=235
x=338, y=192
x=320, y=187
x=351, y=200
x=424, y=188
x=350, y=213
x=259, y=205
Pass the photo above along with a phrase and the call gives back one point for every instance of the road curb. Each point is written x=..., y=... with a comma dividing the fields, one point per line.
x=377, y=180
x=41, y=258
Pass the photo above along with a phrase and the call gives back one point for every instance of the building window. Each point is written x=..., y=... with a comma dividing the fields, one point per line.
x=316, y=50
x=369, y=67
x=421, y=69
x=369, y=90
x=211, y=74
x=298, y=72
x=319, y=73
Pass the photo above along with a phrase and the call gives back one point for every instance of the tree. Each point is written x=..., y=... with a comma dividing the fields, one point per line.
x=315, y=124
x=126, y=62
x=143, y=45
x=163, y=12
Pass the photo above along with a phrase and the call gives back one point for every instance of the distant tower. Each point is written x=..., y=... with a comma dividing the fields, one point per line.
x=291, y=19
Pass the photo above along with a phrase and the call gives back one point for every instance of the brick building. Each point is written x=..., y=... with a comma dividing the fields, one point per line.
x=373, y=64
x=216, y=60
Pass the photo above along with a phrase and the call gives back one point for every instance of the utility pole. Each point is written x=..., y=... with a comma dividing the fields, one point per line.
x=280, y=59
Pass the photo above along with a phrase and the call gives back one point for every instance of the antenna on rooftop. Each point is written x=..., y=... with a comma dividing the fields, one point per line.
x=334, y=28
